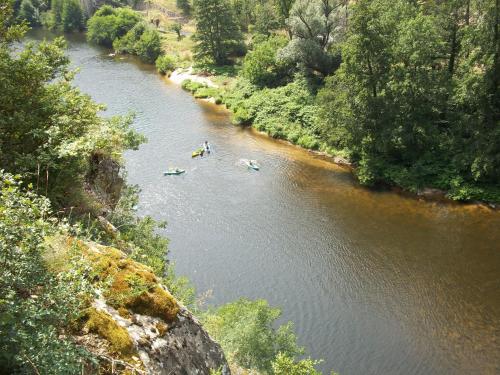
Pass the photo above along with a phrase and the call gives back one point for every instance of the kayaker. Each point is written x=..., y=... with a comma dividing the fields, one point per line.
x=206, y=146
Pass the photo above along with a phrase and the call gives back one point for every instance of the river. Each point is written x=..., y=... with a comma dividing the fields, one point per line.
x=375, y=282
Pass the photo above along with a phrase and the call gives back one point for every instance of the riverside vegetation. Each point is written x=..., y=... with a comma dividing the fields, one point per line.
x=68, y=232
x=406, y=91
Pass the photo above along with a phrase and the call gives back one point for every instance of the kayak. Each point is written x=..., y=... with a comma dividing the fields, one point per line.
x=197, y=152
x=175, y=171
x=251, y=164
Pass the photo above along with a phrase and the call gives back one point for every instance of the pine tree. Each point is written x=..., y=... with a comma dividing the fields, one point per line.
x=218, y=34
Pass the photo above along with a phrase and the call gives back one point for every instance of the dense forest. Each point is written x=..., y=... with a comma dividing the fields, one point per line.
x=406, y=90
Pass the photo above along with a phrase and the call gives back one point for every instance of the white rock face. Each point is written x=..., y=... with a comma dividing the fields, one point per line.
x=185, y=348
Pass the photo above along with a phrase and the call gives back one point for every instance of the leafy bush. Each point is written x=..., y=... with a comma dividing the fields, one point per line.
x=285, y=365
x=109, y=23
x=286, y=112
x=165, y=64
x=140, y=40
x=148, y=47
x=191, y=86
x=35, y=304
x=126, y=44
x=245, y=331
x=29, y=13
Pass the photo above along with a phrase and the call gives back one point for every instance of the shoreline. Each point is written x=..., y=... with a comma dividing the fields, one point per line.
x=426, y=194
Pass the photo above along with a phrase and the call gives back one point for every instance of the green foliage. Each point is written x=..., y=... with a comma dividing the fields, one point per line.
x=166, y=64
x=315, y=25
x=217, y=34
x=177, y=28
x=122, y=28
x=51, y=134
x=285, y=365
x=261, y=65
x=202, y=91
x=180, y=287
x=72, y=15
x=185, y=6
x=148, y=47
x=286, y=112
x=266, y=18
x=415, y=101
x=245, y=330
x=64, y=14
x=145, y=245
x=29, y=13
x=35, y=305
x=108, y=24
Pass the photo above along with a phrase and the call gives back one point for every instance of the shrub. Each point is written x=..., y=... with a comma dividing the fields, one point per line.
x=285, y=365
x=245, y=330
x=165, y=64
x=148, y=47
x=35, y=305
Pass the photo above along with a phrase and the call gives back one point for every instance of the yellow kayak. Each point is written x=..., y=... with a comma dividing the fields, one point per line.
x=197, y=152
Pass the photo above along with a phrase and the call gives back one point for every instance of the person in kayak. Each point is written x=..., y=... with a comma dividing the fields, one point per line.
x=206, y=147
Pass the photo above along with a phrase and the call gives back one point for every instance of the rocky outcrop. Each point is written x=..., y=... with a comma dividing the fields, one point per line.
x=181, y=347
x=134, y=325
x=104, y=181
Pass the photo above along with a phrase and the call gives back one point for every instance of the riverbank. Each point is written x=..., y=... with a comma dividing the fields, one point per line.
x=202, y=86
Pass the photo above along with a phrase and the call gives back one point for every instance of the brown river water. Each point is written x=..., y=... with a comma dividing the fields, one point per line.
x=375, y=282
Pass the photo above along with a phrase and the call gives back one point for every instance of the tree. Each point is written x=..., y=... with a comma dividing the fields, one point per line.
x=245, y=331
x=314, y=26
x=72, y=15
x=284, y=7
x=52, y=134
x=261, y=65
x=185, y=6
x=177, y=28
x=266, y=19
x=109, y=23
x=56, y=6
x=217, y=33
x=29, y=13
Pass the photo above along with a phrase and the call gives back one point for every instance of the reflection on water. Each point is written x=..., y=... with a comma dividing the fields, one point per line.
x=376, y=283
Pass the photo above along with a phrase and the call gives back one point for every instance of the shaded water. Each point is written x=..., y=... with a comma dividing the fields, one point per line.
x=376, y=283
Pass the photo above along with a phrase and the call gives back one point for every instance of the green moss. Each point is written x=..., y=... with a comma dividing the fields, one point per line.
x=105, y=326
x=131, y=285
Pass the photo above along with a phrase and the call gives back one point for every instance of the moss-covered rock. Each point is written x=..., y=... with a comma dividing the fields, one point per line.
x=104, y=325
x=129, y=284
